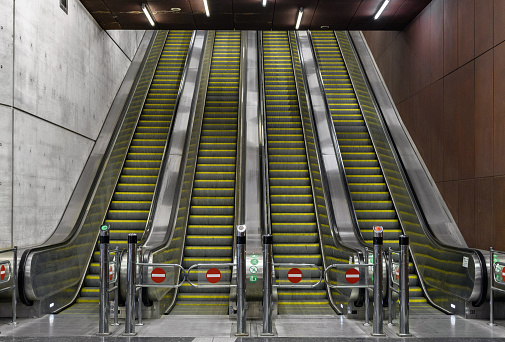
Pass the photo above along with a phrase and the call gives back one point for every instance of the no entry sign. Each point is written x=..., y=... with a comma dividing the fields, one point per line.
x=502, y=273
x=213, y=275
x=111, y=273
x=2, y=272
x=397, y=273
x=158, y=275
x=352, y=276
x=295, y=275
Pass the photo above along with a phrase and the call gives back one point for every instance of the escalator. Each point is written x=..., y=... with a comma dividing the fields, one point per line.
x=292, y=213
x=209, y=237
x=369, y=192
x=132, y=200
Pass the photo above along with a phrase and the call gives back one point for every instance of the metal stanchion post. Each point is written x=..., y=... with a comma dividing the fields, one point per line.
x=129, y=328
x=267, y=284
x=491, y=294
x=140, y=258
x=378, y=329
x=241, y=281
x=116, y=287
x=15, y=286
x=404, y=286
x=367, y=295
x=390, y=287
x=104, y=313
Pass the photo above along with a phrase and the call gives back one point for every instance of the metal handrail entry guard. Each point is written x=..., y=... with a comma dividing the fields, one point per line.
x=492, y=281
x=13, y=276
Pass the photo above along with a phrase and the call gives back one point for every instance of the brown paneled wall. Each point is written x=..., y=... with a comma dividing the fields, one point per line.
x=446, y=73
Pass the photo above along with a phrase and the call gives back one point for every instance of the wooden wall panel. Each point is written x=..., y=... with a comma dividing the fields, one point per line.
x=414, y=48
x=466, y=31
x=451, y=196
x=499, y=110
x=424, y=48
x=484, y=115
x=437, y=40
x=499, y=212
x=484, y=220
x=499, y=21
x=466, y=210
x=450, y=35
x=436, y=127
x=483, y=26
x=466, y=121
x=451, y=125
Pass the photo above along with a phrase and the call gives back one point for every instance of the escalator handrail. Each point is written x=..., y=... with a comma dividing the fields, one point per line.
x=424, y=225
x=49, y=245
x=357, y=253
x=266, y=222
x=164, y=159
x=338, y=154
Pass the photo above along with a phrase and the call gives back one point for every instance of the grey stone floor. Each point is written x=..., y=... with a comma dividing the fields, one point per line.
x=77, y=328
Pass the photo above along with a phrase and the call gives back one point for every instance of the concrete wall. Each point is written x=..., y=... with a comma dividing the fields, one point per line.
x=59, y=75
x=445, y=72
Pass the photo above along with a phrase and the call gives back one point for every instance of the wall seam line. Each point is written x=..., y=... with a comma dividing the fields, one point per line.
x=12, y=115
x=52, y=123
x=117, y=45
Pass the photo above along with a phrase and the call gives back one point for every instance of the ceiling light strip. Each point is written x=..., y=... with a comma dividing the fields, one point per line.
x=148, y=14
x=264, y=3
x=383, y=7
x=206, y=5
x=299, y=19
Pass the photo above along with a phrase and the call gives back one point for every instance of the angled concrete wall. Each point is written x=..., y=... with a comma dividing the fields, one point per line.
x=60, y=73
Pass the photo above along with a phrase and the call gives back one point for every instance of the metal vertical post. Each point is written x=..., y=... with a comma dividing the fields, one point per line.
x=241, y=281
x=140, y=258
x=491, y=294
x=367, y=295
x=267, y=284
x=378, y=329
x=404, y=286
x=390, y=287
x=15, y=286
x=116, y=287
x=129, y=327
x=104, y=313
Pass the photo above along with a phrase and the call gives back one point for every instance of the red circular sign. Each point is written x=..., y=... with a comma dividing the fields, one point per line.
x=378, y=228
x=213, y=275
x=2, y=272
x=352, y=276
x=502, y=273
x=295, y=275
x=397, y=273
x=158, y=275
x=111, y=273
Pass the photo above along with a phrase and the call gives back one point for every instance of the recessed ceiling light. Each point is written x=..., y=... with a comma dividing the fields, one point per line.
x=175, y=9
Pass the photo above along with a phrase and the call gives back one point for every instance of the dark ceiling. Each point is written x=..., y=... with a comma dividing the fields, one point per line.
x=251, y=15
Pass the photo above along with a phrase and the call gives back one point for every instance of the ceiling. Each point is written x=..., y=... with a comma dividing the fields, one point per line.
x=251, y=15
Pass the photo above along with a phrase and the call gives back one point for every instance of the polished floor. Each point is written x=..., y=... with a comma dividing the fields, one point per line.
x=77, y=328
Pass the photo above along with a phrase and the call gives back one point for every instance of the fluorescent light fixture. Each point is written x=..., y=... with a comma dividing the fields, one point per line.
x=206, y=8
x=148, y=15
x=264, y=3
x=383, y=7
x=299, y=19
x=51, y=305
x=453, y=306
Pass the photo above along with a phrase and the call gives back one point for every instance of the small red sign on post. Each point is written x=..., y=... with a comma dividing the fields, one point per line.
x=158, y=275
x=111, y=273
x=2, y=272
x=502, y=273
x=397, y=273
x=295, y=275
x=213, y=275
x=352, y=276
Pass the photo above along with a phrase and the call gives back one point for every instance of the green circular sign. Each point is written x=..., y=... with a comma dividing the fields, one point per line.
x=104, y=227
x=254, y=261
x=253, y=278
